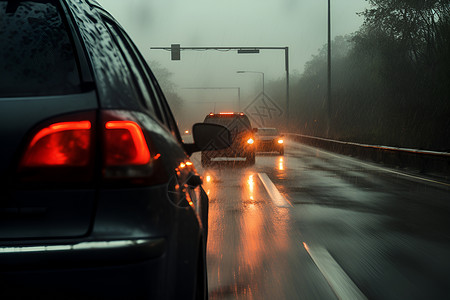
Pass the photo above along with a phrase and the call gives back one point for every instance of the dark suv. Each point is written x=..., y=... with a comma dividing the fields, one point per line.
x=242, y=147
x=98, y=197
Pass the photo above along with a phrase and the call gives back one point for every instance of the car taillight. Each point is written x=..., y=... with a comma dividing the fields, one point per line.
x=60, y=144
x=125, y=144
x=72, y=149
x=128, y=156
x=59, y=151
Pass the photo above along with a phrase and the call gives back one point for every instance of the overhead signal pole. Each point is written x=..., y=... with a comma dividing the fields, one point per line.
x=176, y=55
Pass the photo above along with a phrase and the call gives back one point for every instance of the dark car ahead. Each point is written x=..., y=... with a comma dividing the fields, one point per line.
x=269, y=140
x=98, y=196
x=242, y=147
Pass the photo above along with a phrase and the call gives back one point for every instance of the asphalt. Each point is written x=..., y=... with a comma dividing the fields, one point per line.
x=347, y=229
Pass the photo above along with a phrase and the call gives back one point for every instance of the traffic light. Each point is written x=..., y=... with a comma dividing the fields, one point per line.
x=175, y=51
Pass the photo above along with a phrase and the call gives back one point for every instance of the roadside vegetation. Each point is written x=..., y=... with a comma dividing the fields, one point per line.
x=390, y=80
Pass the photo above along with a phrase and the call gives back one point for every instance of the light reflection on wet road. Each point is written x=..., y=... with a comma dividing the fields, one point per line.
x=388, y=234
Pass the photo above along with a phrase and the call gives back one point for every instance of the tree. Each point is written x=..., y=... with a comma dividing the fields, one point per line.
x=411, y=38
x=390, y=79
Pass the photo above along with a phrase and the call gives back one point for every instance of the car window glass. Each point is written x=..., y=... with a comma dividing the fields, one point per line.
x=231, y=123
x=158, y=94
x=267, y=131
x=146, y=73
x=162, y=104
x=135, y=68
x=36, y=53
x=171, y=121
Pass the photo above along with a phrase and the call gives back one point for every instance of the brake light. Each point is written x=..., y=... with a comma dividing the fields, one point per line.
x=250, y=141
x=129, y=156
x=226, y=113
x=60, y=144
x=61, y=154
x=125, y=144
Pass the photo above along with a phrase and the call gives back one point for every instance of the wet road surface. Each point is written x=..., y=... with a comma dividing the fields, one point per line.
x=316, y=225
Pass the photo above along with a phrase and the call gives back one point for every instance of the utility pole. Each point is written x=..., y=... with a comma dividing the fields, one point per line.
x=329, y=73
x=286, y=57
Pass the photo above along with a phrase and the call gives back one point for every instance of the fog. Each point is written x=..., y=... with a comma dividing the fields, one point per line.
x=299, y=25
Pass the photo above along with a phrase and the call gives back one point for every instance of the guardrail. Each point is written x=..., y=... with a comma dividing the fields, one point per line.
x=426, y=162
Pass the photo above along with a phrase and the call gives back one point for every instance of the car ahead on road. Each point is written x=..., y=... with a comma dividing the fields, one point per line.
x=269, y=140
x=242, y=147
x=98, y=196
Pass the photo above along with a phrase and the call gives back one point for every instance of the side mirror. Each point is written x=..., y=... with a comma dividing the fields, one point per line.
x=208, y=137
x=211, y=136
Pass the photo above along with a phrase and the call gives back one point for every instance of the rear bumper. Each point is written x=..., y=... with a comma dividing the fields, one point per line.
x=138, y=245
x=271, y=146
x=113, y=269
x=232, y=152
x=81, y=254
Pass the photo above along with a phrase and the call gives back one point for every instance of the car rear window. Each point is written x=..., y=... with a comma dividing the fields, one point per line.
x=36, y=53
x=267, y=131
x=232, y=122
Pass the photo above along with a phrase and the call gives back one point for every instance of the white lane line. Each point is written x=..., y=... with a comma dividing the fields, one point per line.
x=273, y=192
x=356, y=160
x=340, y=283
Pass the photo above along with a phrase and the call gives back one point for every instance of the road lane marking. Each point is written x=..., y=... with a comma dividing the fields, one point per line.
x=340, y=283
x=356, y=160
x=273, y=192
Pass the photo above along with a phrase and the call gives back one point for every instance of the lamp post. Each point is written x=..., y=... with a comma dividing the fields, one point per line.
x=329, y=73
x=262, y=73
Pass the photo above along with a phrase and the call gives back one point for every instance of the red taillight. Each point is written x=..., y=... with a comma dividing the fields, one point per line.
x=129, y=157
x=125, y=144
x=75, y=148
x=60, y=144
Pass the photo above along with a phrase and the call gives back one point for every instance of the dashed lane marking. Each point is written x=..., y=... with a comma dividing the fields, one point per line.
x=273, y=192
x=340, y=283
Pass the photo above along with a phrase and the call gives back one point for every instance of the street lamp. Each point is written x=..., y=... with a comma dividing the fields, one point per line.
x=329, y=72
x=262, y=73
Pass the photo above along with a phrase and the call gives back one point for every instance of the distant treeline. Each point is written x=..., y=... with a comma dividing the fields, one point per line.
x=390, y=80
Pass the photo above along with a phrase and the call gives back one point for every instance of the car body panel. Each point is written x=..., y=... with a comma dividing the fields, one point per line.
x=126, y=231
x=33, y=111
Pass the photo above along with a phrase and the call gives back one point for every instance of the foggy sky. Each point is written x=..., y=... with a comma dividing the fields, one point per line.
x=300, y=25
